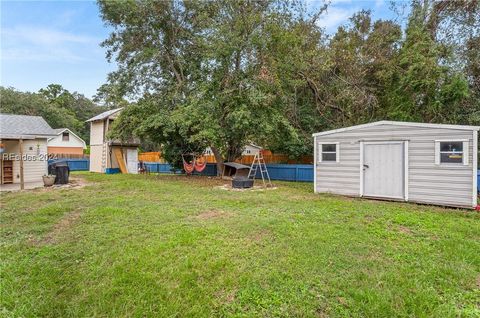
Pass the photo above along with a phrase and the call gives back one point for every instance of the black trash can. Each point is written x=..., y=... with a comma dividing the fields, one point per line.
x=242, y=183
x=61, y=171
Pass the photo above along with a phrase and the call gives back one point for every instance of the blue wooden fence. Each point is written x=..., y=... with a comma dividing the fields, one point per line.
x=74, y=164
x=277, y=171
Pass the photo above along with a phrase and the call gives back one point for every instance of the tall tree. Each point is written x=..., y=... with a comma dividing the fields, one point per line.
x=206, y=71
x=425, y=87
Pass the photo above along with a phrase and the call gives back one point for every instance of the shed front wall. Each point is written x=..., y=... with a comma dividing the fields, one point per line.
x=427, y=182
x=35, y=163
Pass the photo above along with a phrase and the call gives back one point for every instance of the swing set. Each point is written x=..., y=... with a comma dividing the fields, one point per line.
x=198, y=163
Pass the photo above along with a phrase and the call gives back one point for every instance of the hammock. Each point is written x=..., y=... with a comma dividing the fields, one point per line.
x=200, y=166
x=196, y=165
x=188, y=167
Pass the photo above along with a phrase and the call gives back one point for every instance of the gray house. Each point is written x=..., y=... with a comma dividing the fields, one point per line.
x=417, y=162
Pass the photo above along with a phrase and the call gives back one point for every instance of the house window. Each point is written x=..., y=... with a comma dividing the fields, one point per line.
x=65, y=136
x=328, y=152
x=451, y=152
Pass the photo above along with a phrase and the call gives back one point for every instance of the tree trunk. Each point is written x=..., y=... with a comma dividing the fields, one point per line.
x=219, y=160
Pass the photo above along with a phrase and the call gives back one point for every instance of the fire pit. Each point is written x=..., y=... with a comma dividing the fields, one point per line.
x=242, y=183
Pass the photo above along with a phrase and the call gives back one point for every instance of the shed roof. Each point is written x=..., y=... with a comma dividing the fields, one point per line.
x=398, y=123
x=235, y=165
x=105, y=114
x=23, y=126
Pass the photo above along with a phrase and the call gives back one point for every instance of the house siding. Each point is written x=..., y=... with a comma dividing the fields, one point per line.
x=427, y=182
x=33, y=170
x=65, y=150
x=73, y=141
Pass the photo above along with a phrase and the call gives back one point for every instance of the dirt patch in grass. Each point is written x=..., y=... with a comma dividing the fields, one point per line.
x=73, y=183
x=225, y=296
x=65, y=223
x=261, y=235
x=405, y=230
x=212, y=214
x=198, y=180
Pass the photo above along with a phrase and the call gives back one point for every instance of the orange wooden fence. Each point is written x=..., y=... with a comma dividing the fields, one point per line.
x=151, y=157
x=246, y=160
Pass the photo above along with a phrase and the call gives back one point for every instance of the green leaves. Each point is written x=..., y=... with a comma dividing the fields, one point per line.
x=225, y=73
x=59, y=107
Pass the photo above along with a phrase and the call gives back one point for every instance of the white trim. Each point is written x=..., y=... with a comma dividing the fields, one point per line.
x=399, y=123
x=320, y=151
x=315, y=165
x=361, y=169
x=465, y=153
x=406, y=173
x=405, y=170
x=451, y=164
x=475, y=167
x=383, y=142
x=384, y=197
x=458, y=140
x=437, y=152
x=337, y=155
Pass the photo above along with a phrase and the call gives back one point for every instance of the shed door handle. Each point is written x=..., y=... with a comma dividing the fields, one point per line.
x=366, y=166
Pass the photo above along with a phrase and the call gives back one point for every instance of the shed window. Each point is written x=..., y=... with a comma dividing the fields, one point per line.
x=328, y=152
x=451, y=152
x=65, y=136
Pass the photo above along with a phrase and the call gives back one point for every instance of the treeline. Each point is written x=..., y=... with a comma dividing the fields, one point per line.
x=224, y=73
x=59, y=107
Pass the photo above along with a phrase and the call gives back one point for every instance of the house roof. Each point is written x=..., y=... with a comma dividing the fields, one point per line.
x=398, y=123
x=58, y=131
x=104, y=114
x=25, y=127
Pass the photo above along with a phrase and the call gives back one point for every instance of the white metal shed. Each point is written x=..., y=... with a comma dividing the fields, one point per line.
x=417, y=162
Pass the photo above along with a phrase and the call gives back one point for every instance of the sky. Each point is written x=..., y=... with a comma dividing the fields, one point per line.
x=45, y=42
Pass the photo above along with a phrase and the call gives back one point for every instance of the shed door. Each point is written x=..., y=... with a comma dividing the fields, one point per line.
x=383, y=170
x=132, y=160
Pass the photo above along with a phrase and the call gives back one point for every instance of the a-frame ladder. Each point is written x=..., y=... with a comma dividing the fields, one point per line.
x=259, y=163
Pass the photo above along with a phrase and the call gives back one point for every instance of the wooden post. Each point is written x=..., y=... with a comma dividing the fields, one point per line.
x=22, y=183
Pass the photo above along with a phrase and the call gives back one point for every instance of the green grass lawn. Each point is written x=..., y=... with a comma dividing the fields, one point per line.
x=169, y=246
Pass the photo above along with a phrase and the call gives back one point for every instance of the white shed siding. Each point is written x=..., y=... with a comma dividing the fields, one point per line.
x=96, y=158
x=427, y=182
x=96, y=133
x=33, y=169
x=340, y=177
